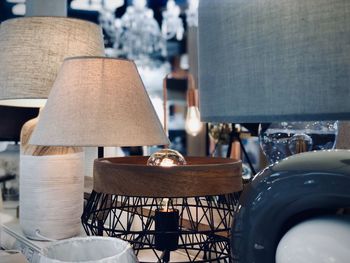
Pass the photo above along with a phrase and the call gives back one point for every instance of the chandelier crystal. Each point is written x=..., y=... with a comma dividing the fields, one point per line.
x=138, y=36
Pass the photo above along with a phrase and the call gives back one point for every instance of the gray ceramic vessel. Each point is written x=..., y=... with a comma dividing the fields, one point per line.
x=299, y=187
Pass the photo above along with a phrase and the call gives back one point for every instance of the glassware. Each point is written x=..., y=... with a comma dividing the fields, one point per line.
x=280, y=140
x=220, y=132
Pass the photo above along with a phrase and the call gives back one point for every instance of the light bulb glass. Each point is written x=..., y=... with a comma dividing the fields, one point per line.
x=193, y=123
x=165, y=204
x=166, y=158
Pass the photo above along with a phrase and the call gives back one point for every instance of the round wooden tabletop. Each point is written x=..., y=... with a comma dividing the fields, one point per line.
x=202, y=176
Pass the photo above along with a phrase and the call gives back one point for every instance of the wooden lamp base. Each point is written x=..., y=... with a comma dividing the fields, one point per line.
x=36, y=150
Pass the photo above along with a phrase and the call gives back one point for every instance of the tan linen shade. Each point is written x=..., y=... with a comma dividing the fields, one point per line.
x=97, y=101
x=33, y=48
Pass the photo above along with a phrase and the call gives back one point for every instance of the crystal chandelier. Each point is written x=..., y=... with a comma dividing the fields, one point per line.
x=172, y=25
x=138, y=36
x=192, y=13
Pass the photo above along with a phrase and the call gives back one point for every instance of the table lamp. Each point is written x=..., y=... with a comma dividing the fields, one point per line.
x=99, y=101
x=273, y=61
x=32, y=50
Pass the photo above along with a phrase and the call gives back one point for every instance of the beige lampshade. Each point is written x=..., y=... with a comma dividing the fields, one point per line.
x=97, y=101
x=33, y=48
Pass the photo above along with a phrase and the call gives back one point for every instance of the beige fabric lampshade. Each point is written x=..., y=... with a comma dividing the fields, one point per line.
x=33, y=48
x=97, y=101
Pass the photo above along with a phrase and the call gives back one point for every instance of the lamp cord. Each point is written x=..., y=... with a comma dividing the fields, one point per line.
x=37, y=233
x=165, y=97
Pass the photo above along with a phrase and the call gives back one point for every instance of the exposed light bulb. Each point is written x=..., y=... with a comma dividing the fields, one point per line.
x=193, y=123
x=165, y=204
x=166, y=158
x=167, y=162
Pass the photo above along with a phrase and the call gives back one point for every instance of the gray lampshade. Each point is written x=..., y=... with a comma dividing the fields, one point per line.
x=45, y=8
x=274, y=60
x=97, y=101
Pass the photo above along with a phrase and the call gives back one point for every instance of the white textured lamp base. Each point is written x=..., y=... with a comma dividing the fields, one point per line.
x=51, y=195
x=318, y=240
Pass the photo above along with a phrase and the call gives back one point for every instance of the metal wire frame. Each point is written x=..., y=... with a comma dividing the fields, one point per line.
x=204, y=223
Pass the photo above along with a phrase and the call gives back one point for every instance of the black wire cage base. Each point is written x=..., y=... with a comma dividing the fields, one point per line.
x=203, y=231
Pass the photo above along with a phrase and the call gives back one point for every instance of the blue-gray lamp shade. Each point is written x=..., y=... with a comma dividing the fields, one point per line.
x=274, y=60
